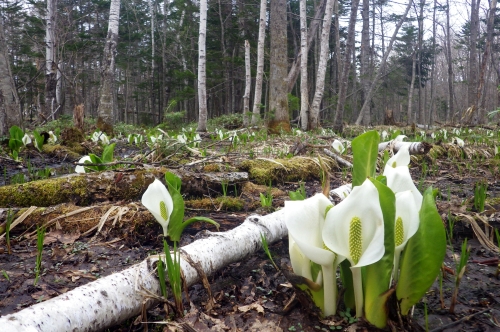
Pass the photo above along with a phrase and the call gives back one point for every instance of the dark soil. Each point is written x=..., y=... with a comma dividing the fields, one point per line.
x=251, y=295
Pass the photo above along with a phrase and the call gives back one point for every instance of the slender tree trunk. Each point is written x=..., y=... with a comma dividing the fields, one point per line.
x=278, y=94
x=323, y=58
x=106, y=108
x=51, y=105
x=450, y=111
x=260, y=63
x=293, y=73
x=421, y=109
x=409, y=117
x=431, y=108
x=339, y=115
x=202, y=74
x=9, y=102
x=152, y=83
x=473, y=61
x=489, y=39
x=248, y=84
x=381, y=68
x=365, y=60
x=338, y=59
x=304, y=89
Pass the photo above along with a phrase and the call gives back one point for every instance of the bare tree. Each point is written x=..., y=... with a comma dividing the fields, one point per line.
x=339, y=115
x=202, y=71
x=106, y=109
x=450, y=111
x=409, y=116
x=51, y=106
x=365, y=58
x=260, y=63
x=381, y=67
x=473, y=61
x=304, y=95
x=278, y=88
x=248, y=84
x=9, y=102
x=323, y=58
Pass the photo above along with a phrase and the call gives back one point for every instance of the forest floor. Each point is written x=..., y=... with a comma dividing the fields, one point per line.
x=251, y=295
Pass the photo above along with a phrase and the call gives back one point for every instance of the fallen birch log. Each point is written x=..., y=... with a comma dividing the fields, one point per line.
x=110, y=300
x=413, y=147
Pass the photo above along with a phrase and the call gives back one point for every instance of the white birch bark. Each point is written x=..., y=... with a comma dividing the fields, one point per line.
x=106, y=106
x=304, y=95
x=323, y=59
x=50, y=64
x=260, y=63
x=202, y=73
x=410, y=91
x=248, y=84
x=112, y=299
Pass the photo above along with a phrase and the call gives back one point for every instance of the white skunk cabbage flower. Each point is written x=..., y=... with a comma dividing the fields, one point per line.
x=384, y=135
x=221, y=134
x=338, y=146
x=398, y=174
x=158, y=201
x=52, y=138
x=406, y=224
x=458, y=141
x=496, y=150
x=26, y=139
x=79, y=168
x=305, y=220
x=445, y=132
x=95, y=136
x=182, y=138
x=400, y=138
x=104, y=139
x=355, y=229
x=433, y=135
x=196, y=140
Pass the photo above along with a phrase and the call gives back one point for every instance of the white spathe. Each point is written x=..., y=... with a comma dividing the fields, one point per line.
x=398, y=174
x=158, y=201
x=305, y=220
x=52, y=138
x=79, y=168
x=338, y=146
x=363, y=203
x=26, y=139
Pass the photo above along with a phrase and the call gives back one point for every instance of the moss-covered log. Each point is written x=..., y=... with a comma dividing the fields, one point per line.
x=85, y=189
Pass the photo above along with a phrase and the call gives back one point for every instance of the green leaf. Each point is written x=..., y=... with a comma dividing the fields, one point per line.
x=173, y=181
x=196, y=219
x=107, y=154
x=422, y=256
x=378, y=275
x=16, y=133
x=39, y=140
x=365, y=152
x=346, y=276
x=395, y=134
x=95, y=160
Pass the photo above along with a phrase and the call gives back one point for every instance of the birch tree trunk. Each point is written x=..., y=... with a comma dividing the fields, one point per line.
x=450, y=111
x=473, y=62
x=50, y=62
x=293, y=73
x=278, y=73
x=381, y=68
x=365, y=60
x=202, y=73
x=339, y=115
x=304, y=95
x=248, y=84
x=9, y=102
x=433, y=66
x=106, y=108
x=409, y=117
x=323, y=58
x=421, y=110
x=152, y=84
x=260, y=63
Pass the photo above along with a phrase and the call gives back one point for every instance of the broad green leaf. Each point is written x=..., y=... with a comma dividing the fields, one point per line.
x=39, y=140
x=16, y=133
x=395, y=134
x=95, y=160
x=422, y=256
x=196, y=219
x=107, y=154
x=175, y=226
x=173, y=181
x=378, y=275
x=365, y=152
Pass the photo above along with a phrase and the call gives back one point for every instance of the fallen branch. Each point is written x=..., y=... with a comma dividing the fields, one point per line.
x=110, y=300
x=413, y=147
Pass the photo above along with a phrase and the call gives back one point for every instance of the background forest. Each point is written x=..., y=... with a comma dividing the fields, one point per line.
x=443, y=67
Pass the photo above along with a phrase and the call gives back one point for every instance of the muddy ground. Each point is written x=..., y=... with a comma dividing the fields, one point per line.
x=251, y=295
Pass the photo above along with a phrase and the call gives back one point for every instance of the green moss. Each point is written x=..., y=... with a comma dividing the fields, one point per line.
x=223, y=203
x=60, y=151
x=45, y=192
x=283, y=170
